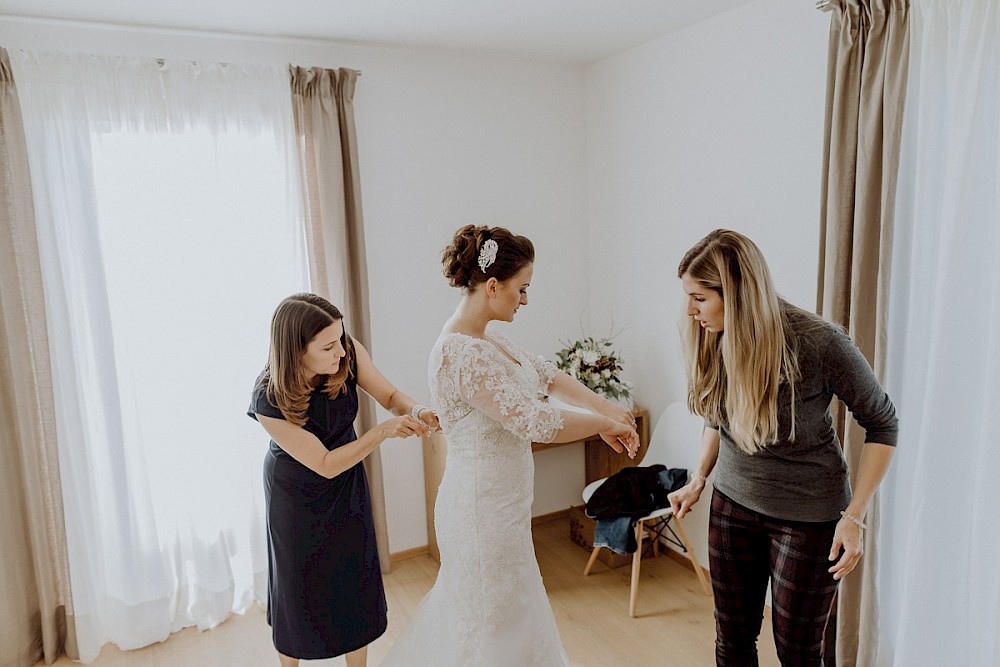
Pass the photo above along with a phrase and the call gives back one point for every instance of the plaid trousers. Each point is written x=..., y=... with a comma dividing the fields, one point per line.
x=746, y=548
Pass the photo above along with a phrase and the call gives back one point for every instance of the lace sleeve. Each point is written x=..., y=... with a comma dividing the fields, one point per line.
x=546, y=370
x=485, y=385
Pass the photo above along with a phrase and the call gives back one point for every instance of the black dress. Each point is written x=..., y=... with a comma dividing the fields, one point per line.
x=325, y=594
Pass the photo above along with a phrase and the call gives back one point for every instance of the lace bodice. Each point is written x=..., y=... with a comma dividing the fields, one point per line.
x=470, y=375
x=488, y=607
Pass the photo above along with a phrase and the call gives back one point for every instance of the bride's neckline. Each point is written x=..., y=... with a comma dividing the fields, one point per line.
x=489, y=339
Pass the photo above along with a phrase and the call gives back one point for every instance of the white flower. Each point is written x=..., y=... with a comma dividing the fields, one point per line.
x=595, y=364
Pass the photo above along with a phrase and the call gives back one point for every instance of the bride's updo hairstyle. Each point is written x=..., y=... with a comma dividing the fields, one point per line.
x=471, y=258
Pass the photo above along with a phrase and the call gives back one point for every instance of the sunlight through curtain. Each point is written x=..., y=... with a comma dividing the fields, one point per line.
x=169, y=225
x=939, y=584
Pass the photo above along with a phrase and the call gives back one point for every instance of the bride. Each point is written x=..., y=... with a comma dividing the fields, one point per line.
x=488, y=607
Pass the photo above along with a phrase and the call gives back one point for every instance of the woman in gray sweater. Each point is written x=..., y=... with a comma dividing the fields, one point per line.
x=762, y=373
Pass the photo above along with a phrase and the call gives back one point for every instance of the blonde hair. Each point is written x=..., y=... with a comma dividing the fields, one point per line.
x=734, y=376
x=297, y=320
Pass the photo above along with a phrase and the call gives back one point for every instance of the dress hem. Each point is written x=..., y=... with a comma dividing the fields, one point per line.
x=327, y=654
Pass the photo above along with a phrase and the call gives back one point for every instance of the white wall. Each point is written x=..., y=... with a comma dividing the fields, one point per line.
x=445, y=139
x=613, y=170
x=717, y=125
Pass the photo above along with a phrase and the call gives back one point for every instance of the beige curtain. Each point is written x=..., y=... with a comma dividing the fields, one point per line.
x=323, y=106
x=865, y=91
x=34, y=575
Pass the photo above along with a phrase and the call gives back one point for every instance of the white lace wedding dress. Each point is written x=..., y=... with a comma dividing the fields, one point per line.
x=488, y=607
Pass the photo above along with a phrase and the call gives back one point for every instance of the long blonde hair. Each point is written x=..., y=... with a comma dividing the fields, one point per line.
x=734, y=376
x=296, y=321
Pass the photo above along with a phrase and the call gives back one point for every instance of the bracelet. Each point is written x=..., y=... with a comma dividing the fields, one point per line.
x=415, y=410
x=855, y=520
x=696, y=475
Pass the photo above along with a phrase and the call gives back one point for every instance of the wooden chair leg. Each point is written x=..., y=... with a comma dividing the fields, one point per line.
x=636, y=562
x=694, y=559
x=593, y=559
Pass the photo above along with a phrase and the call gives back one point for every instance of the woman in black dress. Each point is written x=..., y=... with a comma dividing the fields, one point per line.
x=325, y=595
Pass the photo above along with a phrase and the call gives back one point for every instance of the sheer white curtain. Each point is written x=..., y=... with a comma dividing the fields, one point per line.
x=169, y=226
x=939, y=582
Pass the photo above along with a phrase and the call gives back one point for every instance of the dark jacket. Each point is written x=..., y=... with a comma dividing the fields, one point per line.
x=635, y=492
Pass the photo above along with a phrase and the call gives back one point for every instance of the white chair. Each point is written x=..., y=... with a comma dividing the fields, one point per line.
x=674, y=425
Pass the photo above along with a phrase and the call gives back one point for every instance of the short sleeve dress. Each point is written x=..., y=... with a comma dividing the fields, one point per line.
x=325, y=594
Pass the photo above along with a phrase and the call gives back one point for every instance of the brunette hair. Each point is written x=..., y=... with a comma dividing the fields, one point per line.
x=297, y=320
x=461, y=257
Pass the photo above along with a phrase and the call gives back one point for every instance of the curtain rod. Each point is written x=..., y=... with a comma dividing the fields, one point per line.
x=163, y=61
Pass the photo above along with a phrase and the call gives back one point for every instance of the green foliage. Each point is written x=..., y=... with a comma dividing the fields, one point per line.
x=593, y=362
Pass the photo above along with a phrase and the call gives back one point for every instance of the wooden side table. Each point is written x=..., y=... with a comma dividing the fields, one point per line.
x=602, y=461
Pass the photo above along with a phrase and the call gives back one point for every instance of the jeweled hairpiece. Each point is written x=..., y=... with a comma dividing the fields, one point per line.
x=488, y=254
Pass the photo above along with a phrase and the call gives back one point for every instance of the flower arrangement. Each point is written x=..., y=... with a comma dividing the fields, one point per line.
x=593, y=362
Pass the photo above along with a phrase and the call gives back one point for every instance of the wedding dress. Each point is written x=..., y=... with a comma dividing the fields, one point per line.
x=488, y=607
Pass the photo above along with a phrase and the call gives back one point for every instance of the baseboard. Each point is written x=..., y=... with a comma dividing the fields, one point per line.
x=409, y=553
x=551, y=516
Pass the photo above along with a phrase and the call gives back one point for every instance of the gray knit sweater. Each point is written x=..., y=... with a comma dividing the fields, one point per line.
x=807, y=480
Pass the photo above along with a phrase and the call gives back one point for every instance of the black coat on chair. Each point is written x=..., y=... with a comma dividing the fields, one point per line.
x=635, y=492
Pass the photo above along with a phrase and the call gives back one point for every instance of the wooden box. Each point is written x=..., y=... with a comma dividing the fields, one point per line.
x=581, y=531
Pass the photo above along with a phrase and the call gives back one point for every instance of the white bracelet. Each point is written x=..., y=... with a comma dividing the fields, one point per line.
x=855, y=520
x=696, y=475
x=415, y=410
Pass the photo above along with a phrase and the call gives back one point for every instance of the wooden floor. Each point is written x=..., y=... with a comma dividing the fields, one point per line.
x=674, y=624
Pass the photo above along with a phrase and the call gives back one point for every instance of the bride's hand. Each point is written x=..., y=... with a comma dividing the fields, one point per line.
x=430, y=419
x=621, y=438
x=616, y=413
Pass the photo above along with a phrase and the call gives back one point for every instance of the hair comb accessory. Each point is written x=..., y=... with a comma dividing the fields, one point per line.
x=488, y=254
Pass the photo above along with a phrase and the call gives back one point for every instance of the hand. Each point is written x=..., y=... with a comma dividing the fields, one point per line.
x=621, y=438
x=402, y=427
x=685, y=497
x=430, y=419
x=616, y=413
x=848, y=537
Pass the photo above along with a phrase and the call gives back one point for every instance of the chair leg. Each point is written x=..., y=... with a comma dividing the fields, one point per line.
x=694, y=559
x=636, y=562
x=593, y=559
